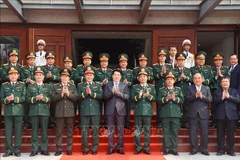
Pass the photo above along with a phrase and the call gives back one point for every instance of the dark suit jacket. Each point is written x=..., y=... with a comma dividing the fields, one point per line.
x=226, y=107
x=115, y=100
x=197, y=105
x=235, y=78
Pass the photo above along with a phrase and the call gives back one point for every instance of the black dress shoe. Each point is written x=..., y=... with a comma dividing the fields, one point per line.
x=120, y=151
x=110, y=152
x=69, y=153
x=193, y=153
x=136, y=152
x=33, y=153
x=205, y=153
x=17, y=154
x=220, y=153
x=94, y=152
x=7, y=154
x=165, y=152
x=46, y=153
x=85, y=152
x=231, y=153
x=175, y=153
x=213, y=125
x=147, y=152
x=58, y=153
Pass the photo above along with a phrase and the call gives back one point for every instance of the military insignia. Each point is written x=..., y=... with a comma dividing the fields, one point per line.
x=94, y=86
x=38, y=68
x=87, y=54
x=65, y=70
x=50, y=54
x=142, y=56
x=89, y=68
x=162, y=51
x=14, y=51
x=67, y=58
x=142, y=70
x=122, y=56
x=31, y=54
x=12, y=68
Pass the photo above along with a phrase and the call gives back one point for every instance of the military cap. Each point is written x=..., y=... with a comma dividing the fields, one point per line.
x=41, y=41
x=143, y=71
x=123, y=57
x=65, y=71
x=87, y=55
x=180, y=56
x=30, y=54
x=67, y=59
x=186, y=41
x=38, y=70
x=50, y=55
x=201, y=55
x=13, y=69
x=104, y=57
x=162, y=51
x=218, y=55
x=170, y=75
x=89, y=69
x=142, y=56
x=13, y=52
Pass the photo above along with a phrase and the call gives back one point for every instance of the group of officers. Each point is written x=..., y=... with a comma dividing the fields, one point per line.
x=45, y=95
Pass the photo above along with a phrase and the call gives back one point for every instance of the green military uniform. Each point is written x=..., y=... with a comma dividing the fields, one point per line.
x=64, y=114
x=7, y=66
x=0, y=99
x=90, y=112
x=54, y=70
x=13, y=112
x=160, y=79
x=183, y=84
x=170, y=113
x=142, y=112
x=127, y=74
x=205, y=70
x=39, y=111
x=79, y=74
x=142, y=56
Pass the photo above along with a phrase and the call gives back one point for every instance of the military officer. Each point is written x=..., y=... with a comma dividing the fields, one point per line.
x=170, y=98
x=68, y=64
x=142, y=60
x=28, y=78
x=0, y=99
x=64, y=94
x=90, y=94
x=204, y=70
x=160, y=70
x=171, y=58
x=40, y=54
x=219, y=71
x=127, y=77
x=13, y=61
x=13, y=96
x=183, y=78
x=143, y=94
x=189, y=62
x=51, y=77
x=39, y=97
x=79, y=74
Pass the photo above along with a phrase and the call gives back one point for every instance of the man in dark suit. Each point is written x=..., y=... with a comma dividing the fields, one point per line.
x=199, y=96
x=226, y=100
x=115, y=95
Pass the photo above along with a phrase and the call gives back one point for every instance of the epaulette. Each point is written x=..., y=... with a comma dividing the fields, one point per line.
x=80, y=65
x=136, y=67
x=5, y=83
x=177, y=87
x=208, y=66
x=168, y=64
x=6, y=64
x=225, y=67
x=110, y=69
x=135, y=85
x=97, y=68
x=80, y=83
x=74, y=69
x=129, y=69
x=149, y=67
x=57, y=66
x=56, y=84
x=155, y=64
x=21, y=82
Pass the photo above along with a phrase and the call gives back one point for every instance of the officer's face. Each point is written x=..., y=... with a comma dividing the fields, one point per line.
x=218, y=62
x=170, y=82
x=233, y=60
x=186, y=47
x=161, y=58
x=50, y=61
x=173, y=51
x=87, y=62
x=104, y=64
x=13, y=77
x=200, y=62
x=89, y=77
x=225, y=83
x=40, y=47
x=31, y=61
x=68, y=65
x=143, y=63
x=39, y=77
x=64, y=79
x=13, y=59
x=142, y=78
x=123, y=64
x=197, y=79
x=116, y=76
x=180, y=63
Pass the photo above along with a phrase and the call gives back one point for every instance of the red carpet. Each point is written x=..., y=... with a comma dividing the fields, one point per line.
x=115, y=156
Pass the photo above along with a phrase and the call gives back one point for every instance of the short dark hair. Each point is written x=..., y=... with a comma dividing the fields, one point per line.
x=225, y=77
x=233, y=55
x=117, y=70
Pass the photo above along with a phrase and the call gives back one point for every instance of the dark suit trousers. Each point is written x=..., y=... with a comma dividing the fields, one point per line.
x=60, y=123
x=193, y=131
x=120, y=129
x=230, y=125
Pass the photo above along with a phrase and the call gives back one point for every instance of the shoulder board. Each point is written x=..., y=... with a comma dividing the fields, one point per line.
x=177, y=87
x=155, y=64
x=5, y=83
x=129, y=69
x=97, y=68
x=168, y=64
x=98, y=83
x=135, y=67
x=208, y=66
x=162, y=87
x=80, y=83
x=56, y=84
x=74, y=69
x=225, y=67
x=149, y=67
x=57, y=66
x=151, y=85
x=110, y=69
x=135, y=85
x=21, y=82
x=6, y=64
x=80, y=65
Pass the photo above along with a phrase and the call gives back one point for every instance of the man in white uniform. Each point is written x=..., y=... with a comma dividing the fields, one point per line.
x=40, y=54
x=189, y=62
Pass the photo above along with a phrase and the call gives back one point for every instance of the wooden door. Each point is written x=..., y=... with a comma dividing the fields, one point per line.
x=166, y=38
x=57, y=40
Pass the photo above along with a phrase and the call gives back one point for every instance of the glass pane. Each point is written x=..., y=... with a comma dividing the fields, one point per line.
x=6, y=43
x=176, y=2
x=111, y=2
